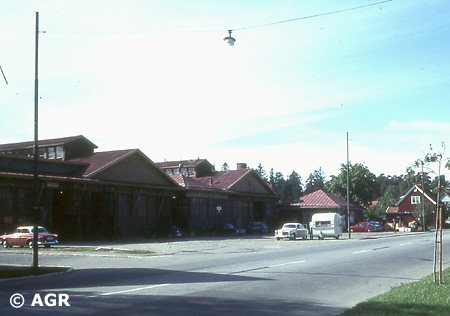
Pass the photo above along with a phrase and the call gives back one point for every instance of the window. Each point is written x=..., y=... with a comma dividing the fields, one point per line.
x=184, y=171
x=51, y=153
x=176, y=171
x=191, y=171
x=415, y=199
x=169, y=171
x=41, y=152
x=59, y=152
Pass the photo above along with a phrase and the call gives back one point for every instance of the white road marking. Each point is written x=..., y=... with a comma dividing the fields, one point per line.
x=361, y=251
x=406, y=243
x=131, y=290
x=286, y=264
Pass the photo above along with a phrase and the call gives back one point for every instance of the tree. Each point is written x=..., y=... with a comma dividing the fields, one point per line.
x=225, y=167
x=315, y=181
x=292, y=188
x=261, y=171
x=362, y=184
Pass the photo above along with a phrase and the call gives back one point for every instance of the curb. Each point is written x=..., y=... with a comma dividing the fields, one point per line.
x=69, y=270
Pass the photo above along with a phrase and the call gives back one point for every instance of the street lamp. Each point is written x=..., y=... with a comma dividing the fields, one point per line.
x=229, y=39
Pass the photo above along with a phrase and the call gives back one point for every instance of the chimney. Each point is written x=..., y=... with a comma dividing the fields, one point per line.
x=241, y=166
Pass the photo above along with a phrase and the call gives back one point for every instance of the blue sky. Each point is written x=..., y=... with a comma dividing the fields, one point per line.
x=156, y=75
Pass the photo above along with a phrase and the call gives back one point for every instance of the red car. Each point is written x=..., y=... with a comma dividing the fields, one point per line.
x=362, y=227
x=23, y=236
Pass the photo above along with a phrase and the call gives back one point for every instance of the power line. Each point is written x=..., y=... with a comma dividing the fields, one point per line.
x=4, y=77
x=221, y=30
x=311, y=16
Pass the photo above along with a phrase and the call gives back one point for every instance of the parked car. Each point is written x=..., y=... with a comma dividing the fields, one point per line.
x=362, y=227
x=291, y=231
x=226, y=230
x=377, y=225
x=23, y=236
x=257, y=228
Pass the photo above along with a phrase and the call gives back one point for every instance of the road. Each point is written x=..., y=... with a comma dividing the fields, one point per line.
x=242, y=277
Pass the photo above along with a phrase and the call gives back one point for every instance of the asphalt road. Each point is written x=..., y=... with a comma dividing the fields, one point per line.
x=223, y=277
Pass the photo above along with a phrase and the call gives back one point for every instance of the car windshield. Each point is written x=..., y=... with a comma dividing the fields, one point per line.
x=289, y=226
x=41, y=230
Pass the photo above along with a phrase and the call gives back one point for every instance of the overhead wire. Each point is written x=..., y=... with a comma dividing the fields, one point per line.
x=233, y=29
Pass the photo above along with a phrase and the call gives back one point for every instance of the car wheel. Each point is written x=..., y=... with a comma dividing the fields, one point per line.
x=294, y=237
x=337, y=237
x=5, y=244
x=47, y=246
x=278, y=239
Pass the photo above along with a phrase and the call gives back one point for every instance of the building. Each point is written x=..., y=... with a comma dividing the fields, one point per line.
x=122, y=193
x=320, y=201
x=402, y=214
x=213, y=198
x=86, y=194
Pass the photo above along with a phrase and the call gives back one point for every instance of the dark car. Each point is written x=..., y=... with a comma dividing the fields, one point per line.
x=23, y=236
x=362, y=227
x=377, y=225
x=225, y=230
x=257, y=228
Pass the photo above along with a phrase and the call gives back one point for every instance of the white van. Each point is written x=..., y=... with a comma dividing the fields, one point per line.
x=325, y=225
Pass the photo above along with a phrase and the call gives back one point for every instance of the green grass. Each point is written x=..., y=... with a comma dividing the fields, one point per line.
x=16, y=272
x=423, y=297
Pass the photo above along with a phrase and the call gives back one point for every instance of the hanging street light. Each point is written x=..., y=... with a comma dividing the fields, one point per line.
x=229, y=39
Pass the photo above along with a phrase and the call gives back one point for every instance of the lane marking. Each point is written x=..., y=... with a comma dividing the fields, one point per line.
x=361, y=251
x=131, y=290
x=406, y=243
x=286, y=264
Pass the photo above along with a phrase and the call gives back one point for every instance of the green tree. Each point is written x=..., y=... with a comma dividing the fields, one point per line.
x=225, y=167
x=315, y=181
x=362, y=184
x=292, y=188
x=262, y=172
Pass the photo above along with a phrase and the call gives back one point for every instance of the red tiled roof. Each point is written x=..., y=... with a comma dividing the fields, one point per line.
x=46, y=142
x=178, y=163
x=219, y=181
x=320, y=199
x=392, y=209
x=101, y=160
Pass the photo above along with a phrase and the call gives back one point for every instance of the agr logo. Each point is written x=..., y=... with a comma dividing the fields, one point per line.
x=51, y=300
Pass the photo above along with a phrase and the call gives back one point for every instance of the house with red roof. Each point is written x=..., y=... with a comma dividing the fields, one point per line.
x=320, y=201
x=86, y=194
x=402, y=214
x=122, y=193
x=213, y=198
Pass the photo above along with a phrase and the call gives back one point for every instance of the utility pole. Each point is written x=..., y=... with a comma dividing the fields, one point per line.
x=35, y=206
x=348, y=194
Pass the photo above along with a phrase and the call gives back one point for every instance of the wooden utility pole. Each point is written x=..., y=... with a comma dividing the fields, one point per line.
x=35, y=206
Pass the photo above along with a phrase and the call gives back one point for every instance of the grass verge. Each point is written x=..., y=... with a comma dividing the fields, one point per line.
x=16, y=272
x=423, y=297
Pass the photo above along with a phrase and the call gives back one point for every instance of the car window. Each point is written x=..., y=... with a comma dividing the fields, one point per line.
x=24, y=231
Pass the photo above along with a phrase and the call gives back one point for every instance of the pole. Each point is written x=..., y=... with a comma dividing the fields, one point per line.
x=440, y=244
x=36, y=152
x=423, y=202
x=348, y=194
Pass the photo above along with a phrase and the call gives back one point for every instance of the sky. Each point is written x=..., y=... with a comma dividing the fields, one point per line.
x=157, y=75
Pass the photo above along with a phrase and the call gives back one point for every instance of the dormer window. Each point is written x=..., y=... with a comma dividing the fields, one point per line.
x=51, y=153
x=415, y=199
x=59, y=152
